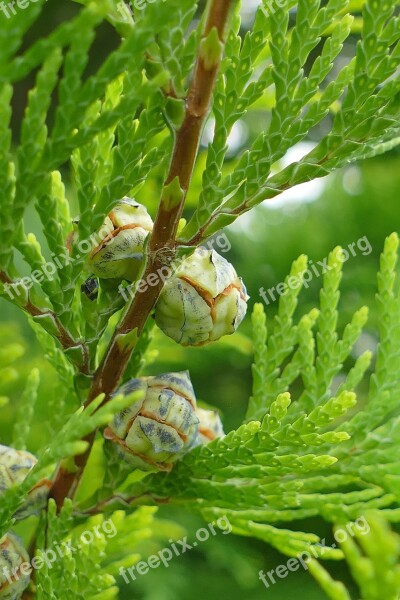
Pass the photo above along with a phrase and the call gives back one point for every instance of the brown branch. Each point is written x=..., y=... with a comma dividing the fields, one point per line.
x=161, y=250
x=62, y=335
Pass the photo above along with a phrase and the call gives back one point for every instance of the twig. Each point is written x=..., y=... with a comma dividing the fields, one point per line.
x=162, y=244
x=62, y=335
x=125, y=501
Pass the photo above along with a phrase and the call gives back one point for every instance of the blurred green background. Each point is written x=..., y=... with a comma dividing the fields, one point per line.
x=359, y=202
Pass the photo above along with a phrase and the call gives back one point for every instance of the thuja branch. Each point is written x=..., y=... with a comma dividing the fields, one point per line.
x=161, y=249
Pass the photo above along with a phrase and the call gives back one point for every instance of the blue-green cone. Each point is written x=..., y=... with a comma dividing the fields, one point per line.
x=14, y=467
x=210, y=426
x=119, y=251
x=204, y=300
x=156, y=431
x=12, y=580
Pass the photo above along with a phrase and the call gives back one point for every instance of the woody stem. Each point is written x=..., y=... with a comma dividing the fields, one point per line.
x=161, y=249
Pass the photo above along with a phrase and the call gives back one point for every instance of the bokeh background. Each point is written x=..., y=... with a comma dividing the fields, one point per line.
x=360, y=201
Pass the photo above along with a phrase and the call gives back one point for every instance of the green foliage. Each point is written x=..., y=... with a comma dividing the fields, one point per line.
x=296, y=460
x=363, y=98
x=85, y=569
x=67, y=443
x=69, y=576
x=373, y=560
x=26, y=411
x=92, y=133
x=9, y=354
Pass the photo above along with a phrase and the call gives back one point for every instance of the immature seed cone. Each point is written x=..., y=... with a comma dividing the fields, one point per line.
x=158, y=430
x=119, y=253
x=12, y=580
x=204, y=300
x=14, y=467
x=210, y=426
